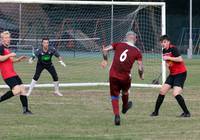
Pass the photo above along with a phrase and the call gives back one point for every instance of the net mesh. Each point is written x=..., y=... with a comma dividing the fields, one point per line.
x=78, y=32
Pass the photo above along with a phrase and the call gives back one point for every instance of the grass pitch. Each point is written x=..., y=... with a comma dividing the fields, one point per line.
x=85, y=113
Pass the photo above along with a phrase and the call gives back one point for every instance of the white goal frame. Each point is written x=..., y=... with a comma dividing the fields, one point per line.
x=163, y=24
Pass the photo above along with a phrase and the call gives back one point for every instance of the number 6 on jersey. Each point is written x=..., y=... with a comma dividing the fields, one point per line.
x=123, y=56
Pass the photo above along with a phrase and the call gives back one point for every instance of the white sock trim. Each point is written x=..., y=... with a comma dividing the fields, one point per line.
x=31, y=86
x=56, y=86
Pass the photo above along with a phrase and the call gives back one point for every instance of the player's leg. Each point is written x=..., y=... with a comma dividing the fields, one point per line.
x=125, y=96
x=126, y=103
x=24, y=100
x=114, y=93
x=178, y=89
x=177, y=94
x=38, y=71
x=163, y=91
x=19, y=89
x=54, y=75
x=11, y=83
x=6, y=96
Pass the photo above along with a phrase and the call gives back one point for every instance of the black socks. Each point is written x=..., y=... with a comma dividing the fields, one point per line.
x=181, y=102
x=6, y=96
x=159, y=102
x=24, y=102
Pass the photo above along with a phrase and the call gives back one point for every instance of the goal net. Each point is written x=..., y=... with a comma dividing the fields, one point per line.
x=78, y=29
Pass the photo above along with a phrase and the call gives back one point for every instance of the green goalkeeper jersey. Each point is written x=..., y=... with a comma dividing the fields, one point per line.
x=45, y=58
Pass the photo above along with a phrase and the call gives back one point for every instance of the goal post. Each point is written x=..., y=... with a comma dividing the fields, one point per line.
x=78, y=29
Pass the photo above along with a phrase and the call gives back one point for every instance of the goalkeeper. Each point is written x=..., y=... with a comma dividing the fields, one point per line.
x=44, y=56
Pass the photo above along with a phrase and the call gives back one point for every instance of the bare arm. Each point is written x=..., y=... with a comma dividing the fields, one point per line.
x=5, y=57
x=105, y=51
x=19, y=59
x=140, y=69
x=175, y=59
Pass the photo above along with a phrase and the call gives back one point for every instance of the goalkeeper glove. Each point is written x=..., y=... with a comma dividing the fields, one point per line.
x=62, y=63
x=30, y=60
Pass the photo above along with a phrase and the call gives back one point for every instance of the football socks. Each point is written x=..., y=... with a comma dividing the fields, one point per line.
x=6, y=96
x=159, y=102
x=182, y=104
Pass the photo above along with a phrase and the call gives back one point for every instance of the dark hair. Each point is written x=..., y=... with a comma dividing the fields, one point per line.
x=45, y=38
x=164, y=37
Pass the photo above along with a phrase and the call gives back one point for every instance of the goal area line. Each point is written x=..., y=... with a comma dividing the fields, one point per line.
x=86, y=85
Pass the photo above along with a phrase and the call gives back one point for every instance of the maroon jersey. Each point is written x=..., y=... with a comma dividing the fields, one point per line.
x=174, y=67
x=124, y=56
x=6, y=67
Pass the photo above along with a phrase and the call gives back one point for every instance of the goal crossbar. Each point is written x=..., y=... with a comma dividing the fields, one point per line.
x=55, y=40
x=83, y=2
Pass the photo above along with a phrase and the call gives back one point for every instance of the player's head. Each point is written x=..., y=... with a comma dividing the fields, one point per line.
x=45, y=42
x=5, y=38
x=165, y=41
x=131, y=36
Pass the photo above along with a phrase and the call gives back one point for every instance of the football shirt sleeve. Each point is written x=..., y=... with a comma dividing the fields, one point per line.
x=37, y=52
x=114, y=45
x=175, y=52
x=55, y=52
x=139, y=56
x=1, y=50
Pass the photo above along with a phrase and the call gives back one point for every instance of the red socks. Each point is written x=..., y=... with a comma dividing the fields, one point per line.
x=115, y=105
x=125, y=100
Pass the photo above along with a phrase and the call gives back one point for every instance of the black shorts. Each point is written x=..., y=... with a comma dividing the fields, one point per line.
x=176, y=80
x=50, y=68
x=13, y=81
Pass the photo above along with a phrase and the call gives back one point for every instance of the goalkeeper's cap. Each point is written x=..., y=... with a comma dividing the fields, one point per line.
x=131, y=33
